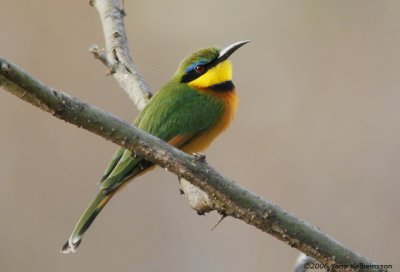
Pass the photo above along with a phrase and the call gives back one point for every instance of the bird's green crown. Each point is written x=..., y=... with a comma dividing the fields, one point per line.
x=208, y=67
x=197, y=63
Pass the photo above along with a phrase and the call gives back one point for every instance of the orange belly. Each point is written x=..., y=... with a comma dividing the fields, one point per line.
x=202, y=141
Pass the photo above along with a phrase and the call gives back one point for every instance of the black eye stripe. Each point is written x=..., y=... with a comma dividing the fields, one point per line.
x=192, y=75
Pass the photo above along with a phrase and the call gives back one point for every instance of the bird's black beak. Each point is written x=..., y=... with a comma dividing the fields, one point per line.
x=227, y=51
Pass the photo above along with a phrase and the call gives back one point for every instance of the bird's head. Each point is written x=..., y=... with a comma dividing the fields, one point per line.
x=208, y=67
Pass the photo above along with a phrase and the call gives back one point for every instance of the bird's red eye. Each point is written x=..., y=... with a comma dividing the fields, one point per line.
x=199, y=69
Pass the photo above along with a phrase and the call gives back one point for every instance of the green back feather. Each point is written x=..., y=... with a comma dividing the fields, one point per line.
x=176, y=109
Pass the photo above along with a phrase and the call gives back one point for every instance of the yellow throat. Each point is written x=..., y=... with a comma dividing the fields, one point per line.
x=218, y=74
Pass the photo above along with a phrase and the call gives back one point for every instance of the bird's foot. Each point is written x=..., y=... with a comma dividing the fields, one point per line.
x=199, y=156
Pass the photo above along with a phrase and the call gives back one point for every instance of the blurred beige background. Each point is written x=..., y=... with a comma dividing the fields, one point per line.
x=317, y=132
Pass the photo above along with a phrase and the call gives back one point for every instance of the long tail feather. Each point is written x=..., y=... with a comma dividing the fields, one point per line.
x=86, y=220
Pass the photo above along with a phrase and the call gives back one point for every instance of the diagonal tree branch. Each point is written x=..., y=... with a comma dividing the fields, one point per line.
x=228, y=197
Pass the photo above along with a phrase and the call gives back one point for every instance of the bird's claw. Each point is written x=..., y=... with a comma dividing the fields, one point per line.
x=200, y=156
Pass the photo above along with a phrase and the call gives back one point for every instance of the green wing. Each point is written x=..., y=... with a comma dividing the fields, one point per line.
x=176, y=110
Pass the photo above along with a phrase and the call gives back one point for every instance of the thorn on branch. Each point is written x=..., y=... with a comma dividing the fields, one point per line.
x=223, y=216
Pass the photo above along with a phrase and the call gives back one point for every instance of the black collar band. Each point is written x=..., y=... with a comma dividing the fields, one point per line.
x=225, y=86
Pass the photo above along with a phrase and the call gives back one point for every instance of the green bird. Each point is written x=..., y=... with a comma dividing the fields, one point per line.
x=189, y=112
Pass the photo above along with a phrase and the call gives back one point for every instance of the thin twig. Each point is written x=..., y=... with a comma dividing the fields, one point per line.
x=228, y=197
x=117, y=56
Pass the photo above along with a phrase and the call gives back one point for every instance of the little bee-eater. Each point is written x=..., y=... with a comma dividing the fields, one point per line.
x=189, y=112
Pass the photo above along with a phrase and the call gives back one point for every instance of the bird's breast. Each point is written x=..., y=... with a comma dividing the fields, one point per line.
x=230, y=102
